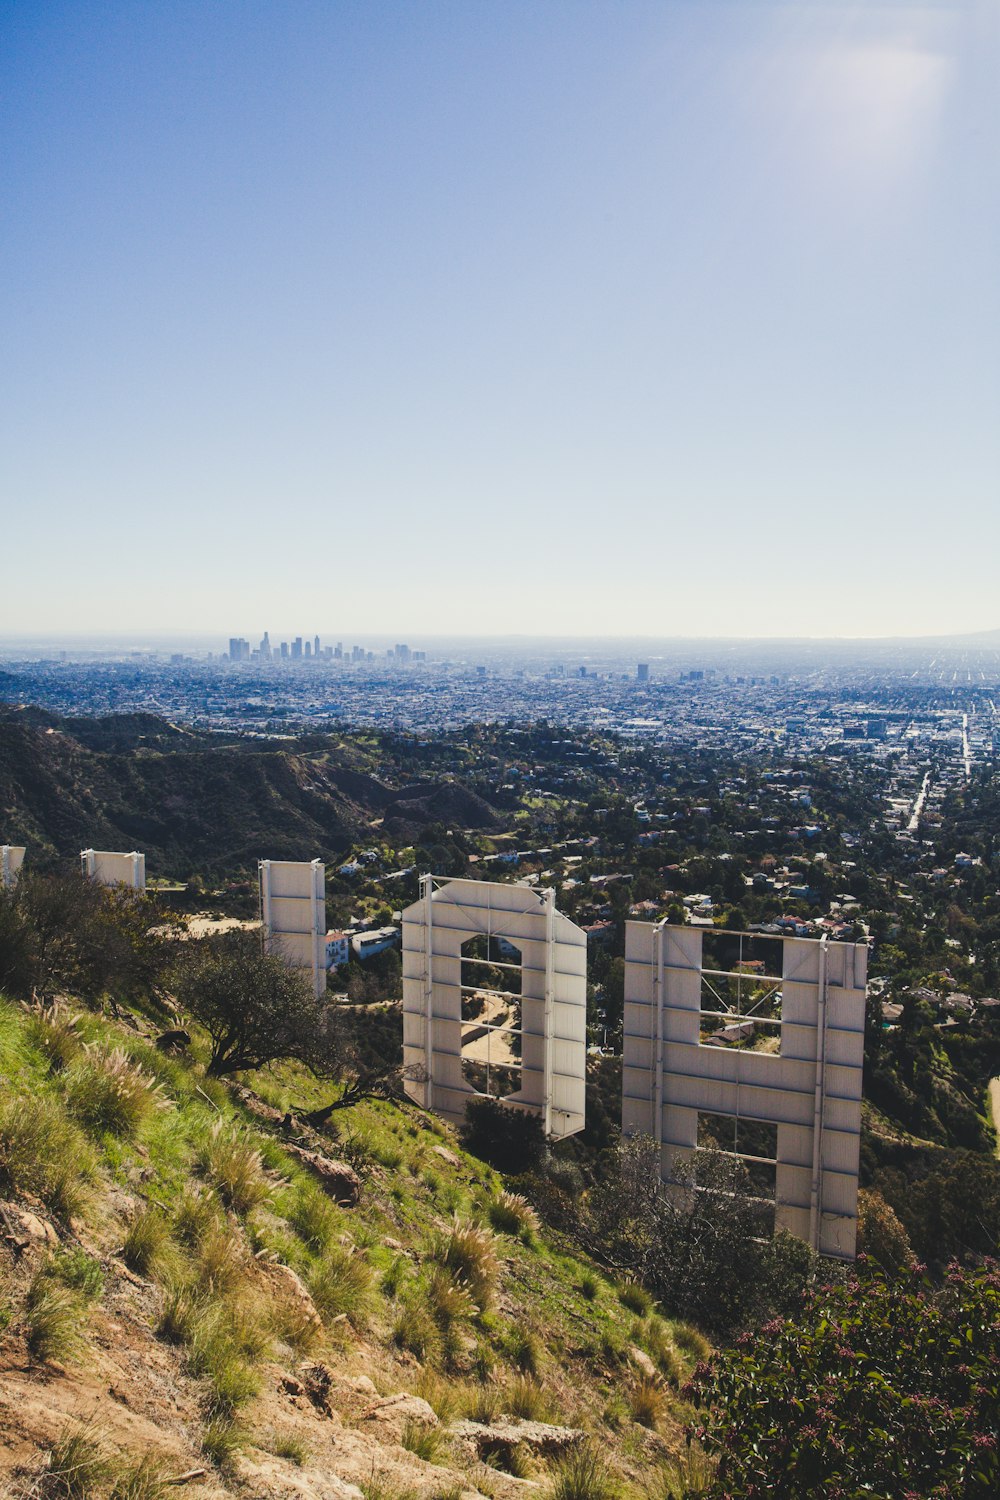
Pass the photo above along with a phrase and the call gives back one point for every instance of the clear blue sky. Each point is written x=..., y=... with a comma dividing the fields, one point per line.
x=674, y=318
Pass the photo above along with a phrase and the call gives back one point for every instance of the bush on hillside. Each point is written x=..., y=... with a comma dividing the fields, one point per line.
x=255, y=1007
x=509, y=1139
x=62, y=933
x=883, y=1386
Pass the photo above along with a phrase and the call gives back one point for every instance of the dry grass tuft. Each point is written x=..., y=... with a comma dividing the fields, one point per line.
x=509, y=1213
x=108, y=1094
x=467, y=1251
x=229, y=1158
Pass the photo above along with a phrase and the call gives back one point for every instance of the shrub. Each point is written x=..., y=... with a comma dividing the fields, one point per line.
x=342, y=1287
x=108, y=1094
x=426, y=1442
x=526, y=1398
x=253, y=1005
x=647, y=1402
x=589, y=1286
x=145, y=1241
x=178, y=1314
x=509, y=1139
x=77, y=1467
x=509, y=1213
x=228, y=1156
x=882, y=1385
x=54, y=1314
x=635, y=1298
x=79, y=1271
x=468, y=1253
x=43, y=1153
x=583, y=1474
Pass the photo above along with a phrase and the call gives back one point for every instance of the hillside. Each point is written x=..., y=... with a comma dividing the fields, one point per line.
x=178, y=1296
x=200, y=803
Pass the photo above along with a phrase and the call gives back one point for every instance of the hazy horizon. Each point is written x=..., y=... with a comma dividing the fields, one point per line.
x=652, y=320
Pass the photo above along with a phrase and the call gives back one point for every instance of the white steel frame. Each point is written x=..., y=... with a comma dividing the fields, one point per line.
x=108, y=868
x=11, y=859
x=553, y=997
x=293, y=915
x=811, y=1089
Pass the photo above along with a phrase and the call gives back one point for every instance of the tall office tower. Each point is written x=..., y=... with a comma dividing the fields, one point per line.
x=402, y=653
x=265, y=648
x=234, y=648
x=315, y=645
x=308, y=650
x=297, y=648
x=284, y=651
x=338, y=651
x=642, y=672
x=358, y=653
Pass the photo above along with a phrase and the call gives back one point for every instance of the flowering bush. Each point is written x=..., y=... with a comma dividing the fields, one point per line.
x=884, y=1386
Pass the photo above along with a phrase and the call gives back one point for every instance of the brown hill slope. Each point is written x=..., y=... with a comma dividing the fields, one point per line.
x=194, y=802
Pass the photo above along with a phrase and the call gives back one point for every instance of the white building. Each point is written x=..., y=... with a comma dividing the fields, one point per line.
x=338, y=949
x=367, y=944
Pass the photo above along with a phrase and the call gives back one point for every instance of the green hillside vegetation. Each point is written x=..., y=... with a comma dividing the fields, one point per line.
x=193, y=1286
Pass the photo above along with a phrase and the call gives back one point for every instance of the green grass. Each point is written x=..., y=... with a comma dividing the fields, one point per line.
x=42, y=1153
x=230, y=1159
x=424, y=1441
x=146, y=1241
x=287, y=1445
x=53, y=1317
x=78, y=1467
x=107, y=1093
x=342, y=1286
x=583, y=1474
x=79, y=1271
x=142, y=1480
x=635, y=1298
x=468, y=1253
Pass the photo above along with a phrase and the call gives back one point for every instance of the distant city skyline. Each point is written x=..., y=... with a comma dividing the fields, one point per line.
x=629, y=320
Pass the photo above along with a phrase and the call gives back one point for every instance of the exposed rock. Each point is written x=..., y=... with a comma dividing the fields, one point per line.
x=481, y=1439
x=26, y=1227
x=642, y=1362
x=447, y=1156
x=336, y=1178
x=276, y=1479
x=173, y=1041
x=397, y=1412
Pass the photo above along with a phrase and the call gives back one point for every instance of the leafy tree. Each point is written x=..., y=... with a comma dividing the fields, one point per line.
x=62, y=932
x=882, y=1386
x=254, y=1006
